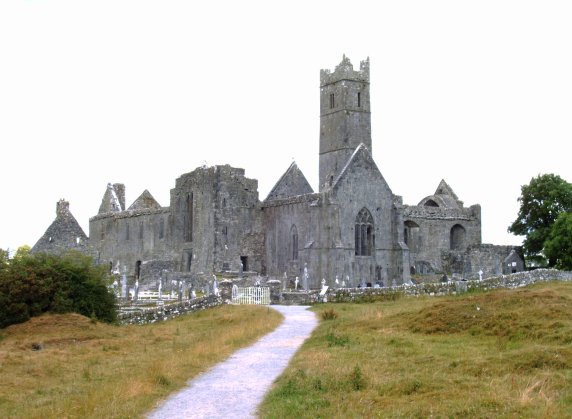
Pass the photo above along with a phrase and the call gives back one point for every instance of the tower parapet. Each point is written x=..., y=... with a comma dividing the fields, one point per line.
x=345, y=70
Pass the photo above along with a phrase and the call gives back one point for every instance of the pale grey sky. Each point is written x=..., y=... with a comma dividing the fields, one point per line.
x=140, y=92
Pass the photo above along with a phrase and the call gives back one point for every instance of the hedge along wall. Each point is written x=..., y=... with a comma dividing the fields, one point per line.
x=516, y=280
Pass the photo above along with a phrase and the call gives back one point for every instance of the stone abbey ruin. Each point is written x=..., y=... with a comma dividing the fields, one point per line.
x=354, y=230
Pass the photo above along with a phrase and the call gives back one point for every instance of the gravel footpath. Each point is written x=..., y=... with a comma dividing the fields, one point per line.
x=235, y=387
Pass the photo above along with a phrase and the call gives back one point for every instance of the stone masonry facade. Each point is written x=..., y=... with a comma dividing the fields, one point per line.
x=354, y=230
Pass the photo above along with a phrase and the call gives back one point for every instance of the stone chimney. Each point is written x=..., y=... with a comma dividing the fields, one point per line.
x=62, y=208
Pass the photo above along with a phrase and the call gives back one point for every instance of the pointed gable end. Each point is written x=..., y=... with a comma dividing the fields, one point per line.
x=363, y=156
x=292, y=183
x=445, y=189
x=145, y=201
x=63, y=234
x=444, y=197
x=113, y=199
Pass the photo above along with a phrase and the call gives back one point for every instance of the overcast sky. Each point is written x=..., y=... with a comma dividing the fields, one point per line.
x=478, y=93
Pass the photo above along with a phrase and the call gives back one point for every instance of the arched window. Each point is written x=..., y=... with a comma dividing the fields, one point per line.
x=457, y=237
x=431, y=203
x=294, y=242
x=364, y=233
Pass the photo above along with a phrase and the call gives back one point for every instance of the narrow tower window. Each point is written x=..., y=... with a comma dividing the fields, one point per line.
x=189, y=218
x=332, y=101
x=359, y=99
x=294, y=235
x=161, y=228
x=137, y=269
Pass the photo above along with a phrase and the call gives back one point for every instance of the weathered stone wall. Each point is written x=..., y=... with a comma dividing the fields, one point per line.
x=168, y=311
x=124, y=238
x=226, y=220
x=516, y=280
x=325, y=225
x=430, y=233
x=486, y=258
x=281, y=216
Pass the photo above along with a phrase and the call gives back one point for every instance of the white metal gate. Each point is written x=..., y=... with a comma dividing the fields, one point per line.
x=250, y=295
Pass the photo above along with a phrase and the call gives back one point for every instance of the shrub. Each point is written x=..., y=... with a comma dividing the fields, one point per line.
x=33, y=284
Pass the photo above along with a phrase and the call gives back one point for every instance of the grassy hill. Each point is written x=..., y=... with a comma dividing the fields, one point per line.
x=57, y=366
x=504, y=353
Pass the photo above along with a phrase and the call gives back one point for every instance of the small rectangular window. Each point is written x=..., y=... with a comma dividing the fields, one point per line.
x=359, y=99
x=332, y=101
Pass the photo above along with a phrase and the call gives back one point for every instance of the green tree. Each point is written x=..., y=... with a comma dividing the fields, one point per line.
x=558, y=247
x=33, y=284
x=541, y=202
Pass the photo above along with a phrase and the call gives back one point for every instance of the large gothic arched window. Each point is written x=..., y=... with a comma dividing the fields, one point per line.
x=364, y=236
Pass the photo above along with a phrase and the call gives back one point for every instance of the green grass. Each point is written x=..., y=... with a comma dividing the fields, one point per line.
x=505, y=353
x=87, y=369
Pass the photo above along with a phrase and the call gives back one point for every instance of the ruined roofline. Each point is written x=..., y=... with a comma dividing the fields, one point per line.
x=298, y=199
x=130, y=213
x=345, y=71
x=214, y=168
x=438, y=213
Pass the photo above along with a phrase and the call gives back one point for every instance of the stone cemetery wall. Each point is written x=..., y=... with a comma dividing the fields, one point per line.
x=168, y=311
x=516, y=280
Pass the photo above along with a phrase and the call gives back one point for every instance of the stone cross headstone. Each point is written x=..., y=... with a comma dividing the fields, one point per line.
x=296, y=284
x=160, y=289
x=481, y=275
x=215, y=289
x=136, y=293
x=284, y=282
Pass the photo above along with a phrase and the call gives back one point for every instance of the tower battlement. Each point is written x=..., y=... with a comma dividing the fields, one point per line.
x=345, y=70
